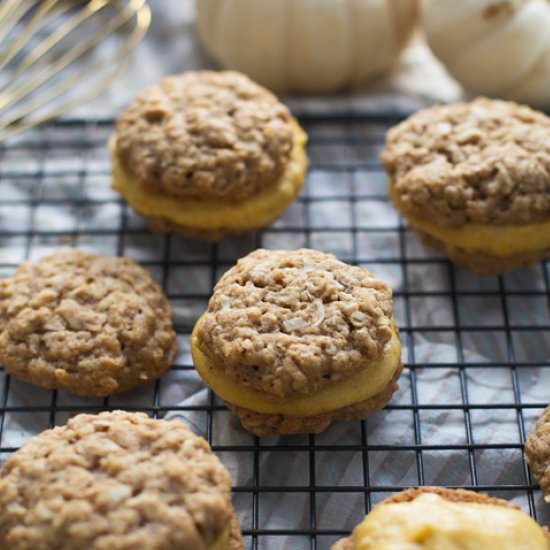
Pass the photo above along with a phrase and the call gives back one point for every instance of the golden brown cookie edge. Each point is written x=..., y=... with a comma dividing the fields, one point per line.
x=163, y=225
x=482, y=264
x=266, y=425
x=537, y=452
x=235, y=538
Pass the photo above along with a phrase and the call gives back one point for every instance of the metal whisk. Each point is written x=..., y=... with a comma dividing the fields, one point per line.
x=58, y=54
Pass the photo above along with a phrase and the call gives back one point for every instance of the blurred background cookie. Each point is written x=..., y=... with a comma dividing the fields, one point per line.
x=208, y=153
x=473, y=180
x=88, y=324
x=293, y=340
x=117, y=480
x=435, y=517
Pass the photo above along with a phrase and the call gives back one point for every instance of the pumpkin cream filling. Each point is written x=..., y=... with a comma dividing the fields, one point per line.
x=496, y=240
x=431, y=522
x=215, y=214
x=356, y=389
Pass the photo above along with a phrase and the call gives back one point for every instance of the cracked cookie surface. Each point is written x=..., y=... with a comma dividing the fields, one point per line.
x=214, y=135
x=290, y=323
x=484, y=162
x=88, y=324
x=116, y=481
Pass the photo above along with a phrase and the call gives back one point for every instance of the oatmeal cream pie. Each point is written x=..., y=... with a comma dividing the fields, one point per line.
x=293, y=340
x=87, y=324
x=473, y=179
x=431, y=518
x=537, y=452
x=117, y=481
x=208, y=153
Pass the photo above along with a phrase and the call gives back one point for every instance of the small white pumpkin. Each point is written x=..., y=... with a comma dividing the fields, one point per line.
x=499, y=48
x=311, y=46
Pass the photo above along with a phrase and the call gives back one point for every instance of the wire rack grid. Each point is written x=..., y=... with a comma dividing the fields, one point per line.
x=477, y=350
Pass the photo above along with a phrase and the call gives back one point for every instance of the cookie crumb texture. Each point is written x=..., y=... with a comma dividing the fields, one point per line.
x=88, y=324
x=114, y=481
x=485, y=162
x=537, y=452
x=214, y=135
x=292, y=322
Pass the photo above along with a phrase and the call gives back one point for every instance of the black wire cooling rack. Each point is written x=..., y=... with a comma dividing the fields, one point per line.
x=477, y=350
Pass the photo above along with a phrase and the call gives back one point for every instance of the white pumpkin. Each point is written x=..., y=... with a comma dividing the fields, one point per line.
x=498, y=48
x=312, y=46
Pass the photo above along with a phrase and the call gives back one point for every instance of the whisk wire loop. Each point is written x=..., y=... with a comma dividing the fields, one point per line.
x=53, y=63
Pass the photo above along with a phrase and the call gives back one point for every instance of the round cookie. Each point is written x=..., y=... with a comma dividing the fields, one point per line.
x=87, y=324
x=117, y=480
x=421, y=534
x=208, y=153
x=293, y=340
x=473, y=179
x=537, y=452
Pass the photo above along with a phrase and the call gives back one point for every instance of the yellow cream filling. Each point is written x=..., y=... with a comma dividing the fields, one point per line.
x=500, y=241
x=431, y=522
x=356, y=389
x=218, y=214
x=223, y=541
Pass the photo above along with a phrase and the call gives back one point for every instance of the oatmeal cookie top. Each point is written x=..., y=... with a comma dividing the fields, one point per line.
x=292, y=322
x=211, y=135
x=484, y=162
x=116, y=480
x=93, y=325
